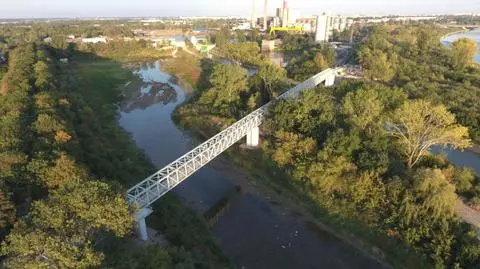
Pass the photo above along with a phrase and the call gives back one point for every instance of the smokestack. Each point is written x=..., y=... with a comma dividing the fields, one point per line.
x=285, y=13
x=265, y=15
x=254, y=14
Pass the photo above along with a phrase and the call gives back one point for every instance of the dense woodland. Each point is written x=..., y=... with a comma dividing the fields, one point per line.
x=359, y=151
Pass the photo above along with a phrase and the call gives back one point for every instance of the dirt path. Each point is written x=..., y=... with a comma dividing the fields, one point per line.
x=468, y=214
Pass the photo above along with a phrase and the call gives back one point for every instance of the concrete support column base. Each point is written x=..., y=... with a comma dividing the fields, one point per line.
x=253, y=137
x=141, y=225
x=330, y=81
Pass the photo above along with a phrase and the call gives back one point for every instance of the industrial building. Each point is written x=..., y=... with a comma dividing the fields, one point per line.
x=288, y=19
x=288, y=16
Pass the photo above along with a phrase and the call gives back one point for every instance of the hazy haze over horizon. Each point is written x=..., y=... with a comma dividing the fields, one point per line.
x=159, y=8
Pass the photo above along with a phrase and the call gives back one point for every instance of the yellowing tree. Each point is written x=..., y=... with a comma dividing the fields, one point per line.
x=432, y=196
x=418, y=125
x=320, y=62
x=463, y=51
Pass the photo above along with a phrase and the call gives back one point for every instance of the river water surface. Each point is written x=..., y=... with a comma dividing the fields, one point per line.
x=254, y=233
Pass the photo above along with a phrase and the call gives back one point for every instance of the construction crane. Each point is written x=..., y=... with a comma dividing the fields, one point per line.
x=295, y=29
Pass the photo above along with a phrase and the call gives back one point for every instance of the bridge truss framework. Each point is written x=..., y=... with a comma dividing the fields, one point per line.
x=155, y=186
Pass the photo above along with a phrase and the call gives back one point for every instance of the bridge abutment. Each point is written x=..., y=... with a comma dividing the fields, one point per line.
x=141, y=224
x=330, y=80
x=253, y=137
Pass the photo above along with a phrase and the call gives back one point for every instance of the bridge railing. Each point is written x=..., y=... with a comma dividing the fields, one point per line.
x=155, y=186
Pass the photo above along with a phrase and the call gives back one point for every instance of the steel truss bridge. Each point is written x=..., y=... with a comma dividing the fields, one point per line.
x=155, y=186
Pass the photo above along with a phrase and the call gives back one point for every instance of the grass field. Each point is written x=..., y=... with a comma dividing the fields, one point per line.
x=101, y=80
x=184, y=66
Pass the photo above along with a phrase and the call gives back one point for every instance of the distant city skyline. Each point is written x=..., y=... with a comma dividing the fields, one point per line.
x=161, y=8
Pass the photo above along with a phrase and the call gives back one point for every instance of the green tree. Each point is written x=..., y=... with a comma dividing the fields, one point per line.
x=228, y=82
x=311, y=115
x=42, y=74
x=378, y=65
x=60, y=231
x=320, y=62
x=295, y=152
x=432, y=195
x=418, y=125
x=246, y=52
x=150, y=257
x=426, y=40
x=63, y=171
x=271, y=76
x=240, y=35
x=463, y=51
x=329, y=55
x=222, y=38
x=7, y=211
x=427, y=215
x=362, y=108
x=368, y=191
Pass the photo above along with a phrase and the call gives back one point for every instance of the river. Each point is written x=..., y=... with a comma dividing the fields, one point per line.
x=255, y=232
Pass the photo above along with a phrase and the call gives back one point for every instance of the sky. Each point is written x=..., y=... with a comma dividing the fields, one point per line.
x=160, y=8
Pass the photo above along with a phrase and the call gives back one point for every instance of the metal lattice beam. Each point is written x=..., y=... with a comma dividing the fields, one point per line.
x=155, y=186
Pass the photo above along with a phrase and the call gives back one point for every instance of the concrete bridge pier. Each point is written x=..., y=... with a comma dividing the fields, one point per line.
x=330, y=80
x=141, y=224
x=253, y=137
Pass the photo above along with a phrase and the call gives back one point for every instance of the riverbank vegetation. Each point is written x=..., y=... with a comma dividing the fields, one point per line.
x=184, y=66
x=413, y=59
x=63, y=172
x=357, y=154
x=351, y=150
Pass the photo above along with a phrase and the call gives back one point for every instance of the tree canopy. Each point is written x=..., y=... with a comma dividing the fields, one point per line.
x=418, y=125
x=463, y=51
x=228, y=82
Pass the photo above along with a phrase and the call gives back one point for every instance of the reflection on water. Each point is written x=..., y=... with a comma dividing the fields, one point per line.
x=144, y=94
x=460, y=158
x=146, y=114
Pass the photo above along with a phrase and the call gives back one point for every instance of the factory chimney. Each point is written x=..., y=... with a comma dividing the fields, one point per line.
x=285, y=13
x=265, y=15
x=254, y=14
